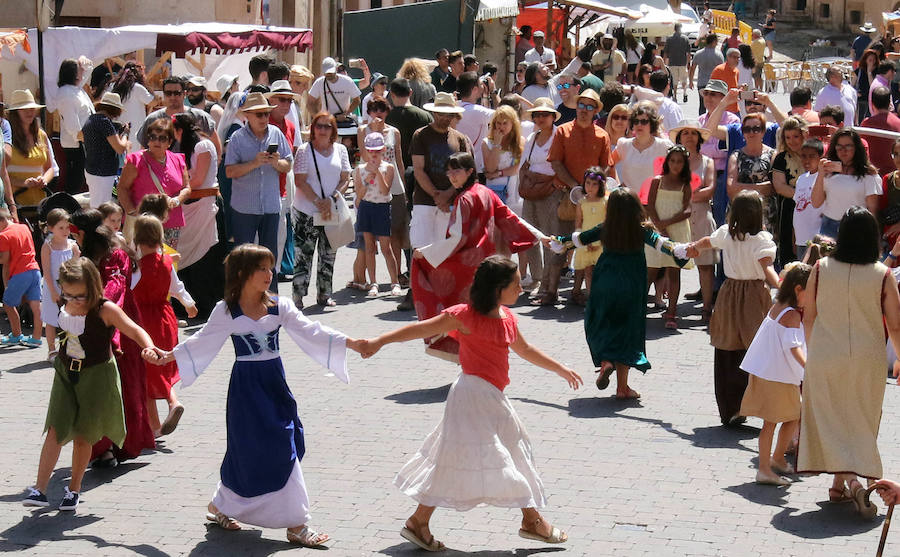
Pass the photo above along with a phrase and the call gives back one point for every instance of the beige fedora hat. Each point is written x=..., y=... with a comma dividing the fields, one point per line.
x=544, y=104
x=689, y=124
x=256, y=102
x=444, y=103
x=111, y=99
x=22, y=98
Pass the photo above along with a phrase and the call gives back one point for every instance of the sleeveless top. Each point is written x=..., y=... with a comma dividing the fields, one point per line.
x=390, y=156
x=373, y=192
x=58, y=257
x=506, y=160
x=753, y=170
x=87, y=340
x=28, y=165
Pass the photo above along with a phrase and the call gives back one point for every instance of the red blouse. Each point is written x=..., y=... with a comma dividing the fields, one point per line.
x=484, y=351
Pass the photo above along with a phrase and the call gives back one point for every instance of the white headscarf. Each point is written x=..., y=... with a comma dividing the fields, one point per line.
x=231, y=114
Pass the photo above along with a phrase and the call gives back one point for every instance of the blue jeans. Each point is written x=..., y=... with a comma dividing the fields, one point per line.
x=829, y=227
x=257, y=229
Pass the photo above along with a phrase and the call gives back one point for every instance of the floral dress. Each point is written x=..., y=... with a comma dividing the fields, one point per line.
x=754, y=170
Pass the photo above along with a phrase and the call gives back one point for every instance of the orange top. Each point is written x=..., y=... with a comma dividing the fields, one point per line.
x=580, y=148
x=484, y=351
x=729, y=76
x=16, y=239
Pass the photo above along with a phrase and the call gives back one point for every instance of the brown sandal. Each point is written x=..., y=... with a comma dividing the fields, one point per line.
x=413, y=535
x=546, y=300
x=224, y=522
x=556, y=535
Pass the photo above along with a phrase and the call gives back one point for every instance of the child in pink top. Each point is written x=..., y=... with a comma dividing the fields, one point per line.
x=480, y=452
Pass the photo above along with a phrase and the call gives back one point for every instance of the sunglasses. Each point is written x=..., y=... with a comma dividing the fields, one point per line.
x=161, y=138
x=561, y=86
x=323, y=126
x=172, y=92
x=619, y=117
x=640, y=122
x=583, y=106
x=752, y=129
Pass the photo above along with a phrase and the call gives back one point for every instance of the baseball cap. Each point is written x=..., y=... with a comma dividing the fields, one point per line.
x=374, y=142
x=329, y=65
x=537, y=34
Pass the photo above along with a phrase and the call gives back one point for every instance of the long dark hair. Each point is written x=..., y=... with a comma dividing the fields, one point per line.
x=857, y=241
x=129, y=75
x=623, y=230
x=19, y=140
x=240, y=265
x=494, y=274
x=68, y=73
x=745, y=218
x=98, y=241
x=747, y=56
x=190, y=135
x=464, y=161
x=685, y=174
x=861, y=164
x=531, y=72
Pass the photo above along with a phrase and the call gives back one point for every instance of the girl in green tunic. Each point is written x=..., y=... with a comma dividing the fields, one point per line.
x=614, y=321
x=86, y=399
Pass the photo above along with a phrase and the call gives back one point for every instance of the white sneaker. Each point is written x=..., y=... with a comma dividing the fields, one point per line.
x=373, y=291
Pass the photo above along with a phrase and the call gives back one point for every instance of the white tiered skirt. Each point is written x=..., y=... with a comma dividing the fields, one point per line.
x=478, y=454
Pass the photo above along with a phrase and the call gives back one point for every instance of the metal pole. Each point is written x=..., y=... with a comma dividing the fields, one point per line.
x=40, y=41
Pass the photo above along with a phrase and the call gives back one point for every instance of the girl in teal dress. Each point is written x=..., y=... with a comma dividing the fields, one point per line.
x=614, y=320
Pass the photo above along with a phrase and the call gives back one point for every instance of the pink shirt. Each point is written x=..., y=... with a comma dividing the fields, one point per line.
x=710, y=147
x=484, y=351
x=171, y=178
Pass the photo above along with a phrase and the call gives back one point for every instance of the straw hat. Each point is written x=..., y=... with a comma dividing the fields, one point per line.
x=544, y=104
x=689, y=124
x=22, y=98
x=868, y=28
x=256, y=102
x=111, y=99
x=444, y=103
x=281, y=88
x=591, y=95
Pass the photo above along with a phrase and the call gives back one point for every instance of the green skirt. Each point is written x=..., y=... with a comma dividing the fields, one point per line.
x=91, y=408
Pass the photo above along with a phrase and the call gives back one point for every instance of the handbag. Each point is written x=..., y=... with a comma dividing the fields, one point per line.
x=566, y=209
x=340, y=123
x=339, y=227
x=532, y=185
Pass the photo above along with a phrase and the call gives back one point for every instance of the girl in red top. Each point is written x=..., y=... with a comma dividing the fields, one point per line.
x=480, y=452
x=152, y=284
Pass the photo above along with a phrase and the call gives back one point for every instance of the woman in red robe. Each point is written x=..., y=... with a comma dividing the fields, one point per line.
x=443, y=271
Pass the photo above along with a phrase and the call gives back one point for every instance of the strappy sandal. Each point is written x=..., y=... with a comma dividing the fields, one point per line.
x=836, y=495
x=307, y=537
x=224, y=522
x=546, y=300
x=556, y=535
x=413, y=537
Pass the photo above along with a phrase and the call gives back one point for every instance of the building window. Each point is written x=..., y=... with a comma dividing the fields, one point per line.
x=855, y=17
x=825, y=11
x=376, y=4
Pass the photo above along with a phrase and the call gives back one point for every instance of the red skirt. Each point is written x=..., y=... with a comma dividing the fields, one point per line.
x=160, y=323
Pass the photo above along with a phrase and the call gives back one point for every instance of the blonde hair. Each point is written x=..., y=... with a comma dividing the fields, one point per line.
x=613, y=111
x=148, y=231
x=513, y=140
x=414, y=69
x=302, y=72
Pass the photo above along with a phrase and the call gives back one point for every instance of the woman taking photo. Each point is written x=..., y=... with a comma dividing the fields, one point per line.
x=31, y=164
x=321, y=173
x=846, y=178
x=750, y=168
x=156, y=170
x=104, y=141
x=843, y=387
x=786, y=168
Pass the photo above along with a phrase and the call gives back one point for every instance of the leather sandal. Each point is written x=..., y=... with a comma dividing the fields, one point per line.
x=307, y=537
x=556, y=535
x=225, y=522
x=413, y=535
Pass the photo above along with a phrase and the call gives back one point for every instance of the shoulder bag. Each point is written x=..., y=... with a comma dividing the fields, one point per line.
x=338, y=228
x=340, y=123
x=533, y=185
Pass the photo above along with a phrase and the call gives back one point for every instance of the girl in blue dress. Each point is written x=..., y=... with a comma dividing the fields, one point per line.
x=261, y=413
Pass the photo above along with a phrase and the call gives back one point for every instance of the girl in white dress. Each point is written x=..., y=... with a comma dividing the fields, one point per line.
x=58, y=249
x=261, y=413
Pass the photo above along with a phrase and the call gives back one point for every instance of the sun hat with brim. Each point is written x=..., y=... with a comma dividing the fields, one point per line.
x=716, y=86
x=444, y=103
x=22, y=98
x=544, y=104
x=256, y=102
x=111, y=99
x=197, y=81
x=224, y=83
x=689, y=124
x=281, y=88
x=591, y=95
x=374, y=141
x=868, y=28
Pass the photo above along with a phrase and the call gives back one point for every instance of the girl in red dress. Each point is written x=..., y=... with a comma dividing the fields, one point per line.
x=152, y=283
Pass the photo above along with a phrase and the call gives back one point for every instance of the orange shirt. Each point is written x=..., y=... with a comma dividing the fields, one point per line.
x=730, y=77
x=580, y=148
x=16, y=239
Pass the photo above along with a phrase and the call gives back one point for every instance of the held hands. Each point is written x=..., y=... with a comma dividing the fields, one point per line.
x=156, y=356
x=191, y=311
x=366, y=347
x=692, y=251
x=573, y=379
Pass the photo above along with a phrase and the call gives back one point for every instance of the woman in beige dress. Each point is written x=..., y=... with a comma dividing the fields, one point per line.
x=843, y=387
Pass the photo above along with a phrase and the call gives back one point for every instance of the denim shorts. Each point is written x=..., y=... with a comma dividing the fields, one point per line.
x=26, y=284
x=374, y=218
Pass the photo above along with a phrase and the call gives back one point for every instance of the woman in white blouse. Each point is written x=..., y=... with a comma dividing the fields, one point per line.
x=846, y=178
x=321, y=172
x=634, y=156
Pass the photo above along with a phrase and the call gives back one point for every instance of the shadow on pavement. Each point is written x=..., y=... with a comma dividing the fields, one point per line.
x=407, y=316
x=239, y=542
x=769, y=495
x=50, y=525
x=33, y=366
x=421, y=396
x=411, y=550
x=830, y=521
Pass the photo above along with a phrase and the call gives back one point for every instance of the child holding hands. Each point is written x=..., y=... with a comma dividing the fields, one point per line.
x=479, y=453
x=589, y=212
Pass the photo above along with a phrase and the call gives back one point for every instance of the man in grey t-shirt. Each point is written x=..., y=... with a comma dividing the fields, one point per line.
x=706, y=59
x=678, y=55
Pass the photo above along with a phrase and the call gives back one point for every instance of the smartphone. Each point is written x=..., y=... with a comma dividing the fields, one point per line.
x=272, y=149
x=355, y=63
x=748, y=95
x=834, y=166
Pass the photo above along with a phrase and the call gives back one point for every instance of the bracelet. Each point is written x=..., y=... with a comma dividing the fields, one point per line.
x=890, y=256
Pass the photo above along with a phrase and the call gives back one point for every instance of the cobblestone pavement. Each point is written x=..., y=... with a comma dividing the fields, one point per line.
x=657, y=477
